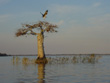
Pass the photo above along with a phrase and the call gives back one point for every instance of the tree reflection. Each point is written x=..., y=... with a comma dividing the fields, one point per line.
x=24, y=65
x=41, y=73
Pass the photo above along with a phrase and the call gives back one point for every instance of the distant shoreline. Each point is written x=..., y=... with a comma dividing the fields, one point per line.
x=4, y=54
x=48, y=54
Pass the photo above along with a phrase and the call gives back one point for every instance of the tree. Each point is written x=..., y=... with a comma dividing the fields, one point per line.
x=42, y=27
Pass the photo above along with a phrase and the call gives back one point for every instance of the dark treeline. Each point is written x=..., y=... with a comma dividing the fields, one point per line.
x=4, y=54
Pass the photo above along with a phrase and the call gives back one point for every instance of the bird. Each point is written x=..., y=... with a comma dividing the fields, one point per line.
x=44, y=15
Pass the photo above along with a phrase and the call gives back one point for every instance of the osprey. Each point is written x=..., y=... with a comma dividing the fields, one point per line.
x=44, y=15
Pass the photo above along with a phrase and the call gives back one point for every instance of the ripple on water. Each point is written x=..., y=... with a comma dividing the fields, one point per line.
x=56, y=72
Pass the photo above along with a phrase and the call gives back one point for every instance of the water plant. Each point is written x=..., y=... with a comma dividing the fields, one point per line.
x=74, y=59
x=26, y=61
x=60, y=59
x=15, y=60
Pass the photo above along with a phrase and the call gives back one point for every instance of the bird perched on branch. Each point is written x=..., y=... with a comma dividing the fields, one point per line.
x=44, y=15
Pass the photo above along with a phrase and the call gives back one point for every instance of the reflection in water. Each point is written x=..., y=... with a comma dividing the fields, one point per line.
x=29, y=72
x=26, y=62
x=41, y=73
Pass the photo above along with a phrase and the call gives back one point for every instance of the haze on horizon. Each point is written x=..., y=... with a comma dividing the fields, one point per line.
x=84, y=26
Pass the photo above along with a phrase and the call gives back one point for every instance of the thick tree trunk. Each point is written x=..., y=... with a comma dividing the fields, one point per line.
x=40, y=43
x=41, y=54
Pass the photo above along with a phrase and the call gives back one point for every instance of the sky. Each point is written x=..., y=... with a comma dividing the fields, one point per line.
x=84, y=26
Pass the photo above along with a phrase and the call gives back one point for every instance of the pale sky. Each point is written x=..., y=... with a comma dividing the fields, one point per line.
x=84, y=26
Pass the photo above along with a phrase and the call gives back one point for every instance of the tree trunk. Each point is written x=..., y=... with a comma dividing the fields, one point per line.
x=41, y=54
x=40, y=43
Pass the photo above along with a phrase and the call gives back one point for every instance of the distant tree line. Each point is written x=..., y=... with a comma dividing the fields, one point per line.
x=3, y=54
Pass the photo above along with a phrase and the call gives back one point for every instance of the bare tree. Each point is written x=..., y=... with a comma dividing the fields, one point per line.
x=42, y=26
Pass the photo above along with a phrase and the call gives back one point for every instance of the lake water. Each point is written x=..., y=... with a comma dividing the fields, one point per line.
x=64, y=71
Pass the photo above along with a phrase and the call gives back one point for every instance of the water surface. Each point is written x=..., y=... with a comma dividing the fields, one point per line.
x=17, y=72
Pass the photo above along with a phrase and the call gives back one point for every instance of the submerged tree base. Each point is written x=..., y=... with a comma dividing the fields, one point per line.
x=41, y=60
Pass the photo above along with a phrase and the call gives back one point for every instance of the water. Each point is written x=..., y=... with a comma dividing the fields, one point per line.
x=16, y=72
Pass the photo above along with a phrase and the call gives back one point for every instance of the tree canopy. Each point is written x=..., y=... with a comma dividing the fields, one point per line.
x=43, y=26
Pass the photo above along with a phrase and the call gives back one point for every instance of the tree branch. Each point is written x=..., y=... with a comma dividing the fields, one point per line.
x=44, y=26
x=33, y=33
